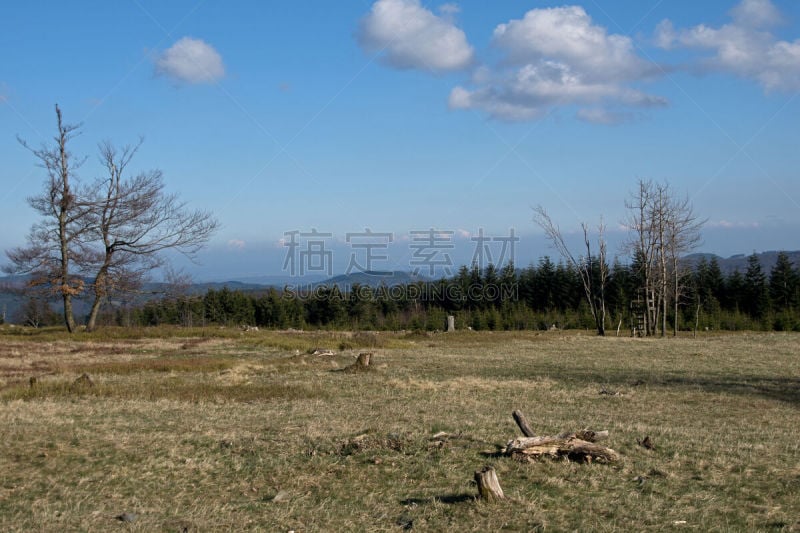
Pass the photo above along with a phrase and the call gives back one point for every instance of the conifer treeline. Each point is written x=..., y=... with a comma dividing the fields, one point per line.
x=537, y=297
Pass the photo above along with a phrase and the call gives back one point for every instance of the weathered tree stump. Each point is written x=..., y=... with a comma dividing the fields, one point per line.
x=362, y=363
x=488, y=485
x=363, y=359
x=451, y=323
x=83, y=382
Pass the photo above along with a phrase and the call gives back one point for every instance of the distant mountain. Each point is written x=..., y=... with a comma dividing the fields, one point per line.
x=374, y=279
x=728, y=265
x=271, y=281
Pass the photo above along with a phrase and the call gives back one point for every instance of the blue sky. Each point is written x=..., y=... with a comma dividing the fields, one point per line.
x=403, y=115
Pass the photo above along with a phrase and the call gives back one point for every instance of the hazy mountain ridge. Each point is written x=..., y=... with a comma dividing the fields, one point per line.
x=728, y=265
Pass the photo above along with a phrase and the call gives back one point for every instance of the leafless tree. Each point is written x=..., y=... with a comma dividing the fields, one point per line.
x=593, y=270
x=136, y=220
x=682, y=236
x=56, y=246
x=663, y=229
x=642, y=246
x=112, y=232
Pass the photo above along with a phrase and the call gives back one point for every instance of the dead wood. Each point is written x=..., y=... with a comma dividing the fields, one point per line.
x=571, y=447
x=489, y=488
x=577, y=446
x=523, y=424
x=83, y=382
x=362, y=364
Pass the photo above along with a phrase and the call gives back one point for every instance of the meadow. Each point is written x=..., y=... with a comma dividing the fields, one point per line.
x=223, y=430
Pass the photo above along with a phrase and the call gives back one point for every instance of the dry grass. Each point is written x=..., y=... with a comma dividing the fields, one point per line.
x=248, y=432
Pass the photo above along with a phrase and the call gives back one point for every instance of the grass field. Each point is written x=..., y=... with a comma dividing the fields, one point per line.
x=193, y=430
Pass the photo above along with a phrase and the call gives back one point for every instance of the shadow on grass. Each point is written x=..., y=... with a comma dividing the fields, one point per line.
x=449, y=499
x=781, y=388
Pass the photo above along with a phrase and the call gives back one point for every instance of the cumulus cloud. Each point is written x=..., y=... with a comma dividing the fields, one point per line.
x=756, y=14
x=557, y=57
x=567, y=34
x=745, y=47
x=191, y=61
x=411, y=37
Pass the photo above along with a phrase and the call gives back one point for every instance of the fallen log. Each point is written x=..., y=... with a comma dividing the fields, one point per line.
x=576, y=446
x=557, y=446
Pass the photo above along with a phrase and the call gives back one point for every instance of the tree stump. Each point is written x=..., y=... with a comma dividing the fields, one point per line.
x=488, y=485
x=363, y=359
x=83, y=382
x=362, y=364
x=451, y=323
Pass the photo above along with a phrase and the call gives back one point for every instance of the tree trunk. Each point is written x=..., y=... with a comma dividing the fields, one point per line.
x=63, y=216
x=675, y=319
x=99, y=293
x=488, y=485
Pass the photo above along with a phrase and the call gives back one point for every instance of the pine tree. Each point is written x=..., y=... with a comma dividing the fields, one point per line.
x=756, y=299
x=783, y=284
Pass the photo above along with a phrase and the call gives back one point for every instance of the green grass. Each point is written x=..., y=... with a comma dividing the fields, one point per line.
x=249, y=432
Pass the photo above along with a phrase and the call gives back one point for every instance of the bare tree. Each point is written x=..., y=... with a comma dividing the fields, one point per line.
x=683, y=236
x=642, y=246
x=663, y=229
x=55, y=247
x=112, y=232
x=136, y=220
x=593, y=270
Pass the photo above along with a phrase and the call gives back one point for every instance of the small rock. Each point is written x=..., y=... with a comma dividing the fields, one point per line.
x=282, y=496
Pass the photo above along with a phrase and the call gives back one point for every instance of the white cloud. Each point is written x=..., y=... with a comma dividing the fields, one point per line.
x=558, y=57
x=191, y=61
x=412, y=37
x=567, y=34
x=745, y=47
x=597, y=115
x=727, y=224
x=665, y=35
x=449, y=10
x=756, y=14
x=236, y=244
